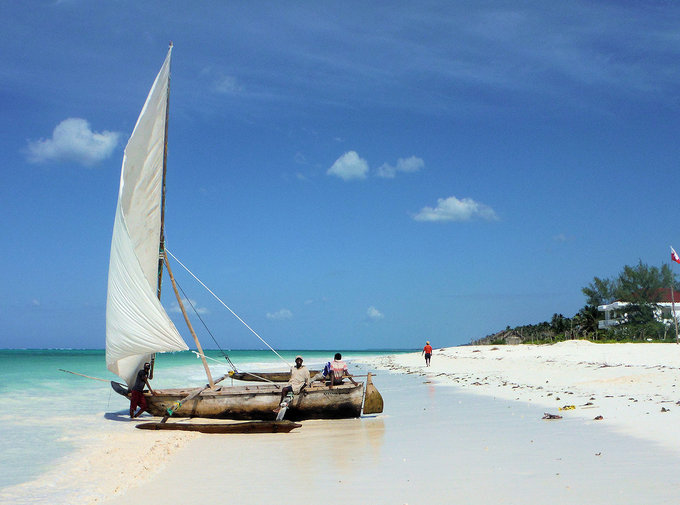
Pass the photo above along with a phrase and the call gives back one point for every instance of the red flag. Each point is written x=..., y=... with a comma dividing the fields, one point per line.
x=674, y=255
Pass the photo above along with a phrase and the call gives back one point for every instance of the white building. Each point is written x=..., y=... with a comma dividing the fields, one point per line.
x=615, y=312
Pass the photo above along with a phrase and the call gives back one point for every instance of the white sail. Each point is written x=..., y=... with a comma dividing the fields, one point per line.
x=136, y=323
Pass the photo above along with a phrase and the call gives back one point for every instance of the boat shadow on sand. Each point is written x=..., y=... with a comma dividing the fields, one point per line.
x=123, y=416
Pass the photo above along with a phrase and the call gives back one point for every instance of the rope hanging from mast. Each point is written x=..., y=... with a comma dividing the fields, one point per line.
x=262, y=379
x=198, y=315
x=226, y=306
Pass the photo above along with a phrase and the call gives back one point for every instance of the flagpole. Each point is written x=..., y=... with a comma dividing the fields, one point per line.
x=675, y=319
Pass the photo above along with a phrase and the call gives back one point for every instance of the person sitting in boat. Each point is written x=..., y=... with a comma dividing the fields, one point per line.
x=299, y=379
x=322, y=374
x=338, y=371
x=137, y=394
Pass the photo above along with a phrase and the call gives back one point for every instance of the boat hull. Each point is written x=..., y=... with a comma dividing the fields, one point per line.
x=259, y=401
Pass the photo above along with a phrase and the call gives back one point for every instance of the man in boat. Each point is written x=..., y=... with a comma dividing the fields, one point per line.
x=337, y=370
x=137, y=394
x=299, y=379
x=427, y=351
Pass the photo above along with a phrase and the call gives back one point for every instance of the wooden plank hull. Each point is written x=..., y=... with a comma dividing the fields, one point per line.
x=242, y=427
x=257, y=402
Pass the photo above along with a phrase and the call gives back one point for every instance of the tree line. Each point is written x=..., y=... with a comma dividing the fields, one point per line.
x=641, y=286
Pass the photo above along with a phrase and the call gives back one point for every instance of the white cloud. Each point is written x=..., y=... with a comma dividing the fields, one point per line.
x=300, y=159
x=349, y=166
x=453, y=209
x=280, y=315
x=312, y=301
x=73, y=140
x=190, y=306
x=408, y=165
x=227, y=84
x=220, y=81
x=374, y=314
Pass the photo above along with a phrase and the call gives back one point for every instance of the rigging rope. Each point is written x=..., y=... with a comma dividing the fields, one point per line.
x=263, y=379
x=227, y=307
x=205, y=326
x=198, y=355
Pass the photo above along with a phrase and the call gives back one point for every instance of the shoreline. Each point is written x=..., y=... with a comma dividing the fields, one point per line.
x=634, y=387
x=475, y=412
x=104, y=465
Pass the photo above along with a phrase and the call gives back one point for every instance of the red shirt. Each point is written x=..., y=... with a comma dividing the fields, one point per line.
x=427, y=349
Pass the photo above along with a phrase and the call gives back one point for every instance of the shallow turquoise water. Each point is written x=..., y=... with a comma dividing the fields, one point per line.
x=46, y=413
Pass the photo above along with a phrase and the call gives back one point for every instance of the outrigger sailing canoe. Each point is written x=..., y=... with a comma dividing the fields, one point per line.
x=137, y=325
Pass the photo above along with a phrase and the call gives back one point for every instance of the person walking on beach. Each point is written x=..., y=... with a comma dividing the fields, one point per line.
x=299, y=378
x=137, y=394
x=427, y=351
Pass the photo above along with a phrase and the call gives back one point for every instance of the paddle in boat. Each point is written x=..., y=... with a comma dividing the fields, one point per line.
x=137, y=325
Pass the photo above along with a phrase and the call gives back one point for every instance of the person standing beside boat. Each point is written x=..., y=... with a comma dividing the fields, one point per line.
x=427, y=351
x=137, y=394
x=299, y=378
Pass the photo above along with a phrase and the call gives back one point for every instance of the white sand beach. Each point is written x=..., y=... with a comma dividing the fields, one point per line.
x=634, y=387
x=468, y=429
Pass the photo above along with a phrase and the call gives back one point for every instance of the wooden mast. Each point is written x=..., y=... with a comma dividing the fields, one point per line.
x=162, y=258
x=161, y=250
x=161, y=246
x=191, y=328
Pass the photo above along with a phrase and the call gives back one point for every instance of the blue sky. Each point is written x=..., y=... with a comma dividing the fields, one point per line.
x=342, y=174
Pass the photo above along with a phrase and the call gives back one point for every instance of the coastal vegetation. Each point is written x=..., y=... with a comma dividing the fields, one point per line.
x=639, y=288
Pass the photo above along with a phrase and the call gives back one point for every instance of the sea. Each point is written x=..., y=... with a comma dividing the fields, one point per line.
x=47, y=412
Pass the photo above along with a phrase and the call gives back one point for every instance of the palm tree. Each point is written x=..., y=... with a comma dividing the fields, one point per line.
x=587, y=321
